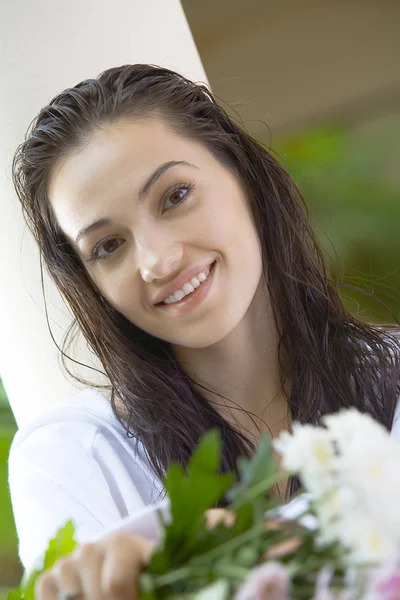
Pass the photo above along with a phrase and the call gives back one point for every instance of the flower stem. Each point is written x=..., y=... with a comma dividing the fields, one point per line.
x=258, y=489
x=231, y=571
x=230, y=544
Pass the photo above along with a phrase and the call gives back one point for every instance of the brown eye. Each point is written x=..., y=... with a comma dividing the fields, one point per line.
x=110, y=246
x=178, y=194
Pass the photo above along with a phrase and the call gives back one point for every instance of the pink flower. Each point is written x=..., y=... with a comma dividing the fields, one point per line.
x=388, y=588
x=385, y=581
x=269, y=581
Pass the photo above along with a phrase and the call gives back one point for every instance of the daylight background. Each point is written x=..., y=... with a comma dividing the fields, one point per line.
x=318, y=83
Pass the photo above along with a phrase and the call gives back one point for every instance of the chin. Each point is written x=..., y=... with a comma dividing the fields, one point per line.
x=204, y=335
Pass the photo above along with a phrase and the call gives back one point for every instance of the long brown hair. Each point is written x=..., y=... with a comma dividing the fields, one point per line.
x=331, y=358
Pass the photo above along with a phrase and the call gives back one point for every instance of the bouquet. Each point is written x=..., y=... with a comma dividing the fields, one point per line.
x=339, y=539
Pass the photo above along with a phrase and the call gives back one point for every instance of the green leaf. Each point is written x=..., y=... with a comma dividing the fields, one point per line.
x=62, y=544
x=27, y=586
x=219, y=535
x=146, y=584
x=244, y=519
x=248, y=556
x=15, y=594
x=257, y=475
x=191, y=555
x=190, y=495
x=219, y=590
x=262, y=465
x=206, y=458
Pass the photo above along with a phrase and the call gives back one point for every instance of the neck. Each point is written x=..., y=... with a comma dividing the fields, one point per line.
x=244, y=369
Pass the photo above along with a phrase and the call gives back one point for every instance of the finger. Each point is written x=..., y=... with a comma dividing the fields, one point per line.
x=126, y=556
x=46, y=587
x=89, y=559
x=67, y=576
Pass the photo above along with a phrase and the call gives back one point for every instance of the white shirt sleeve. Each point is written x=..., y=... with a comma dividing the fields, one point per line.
x=72, y=471
x=396, y=422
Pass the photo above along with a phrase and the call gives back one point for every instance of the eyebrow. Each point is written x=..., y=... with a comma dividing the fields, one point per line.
x=144, y=191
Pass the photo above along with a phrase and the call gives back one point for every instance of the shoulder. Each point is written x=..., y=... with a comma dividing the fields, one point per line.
x=80, y=434
x=84, y=423
x=65, y=436
x=80, y=415
x=75, y=461
x=396, y=421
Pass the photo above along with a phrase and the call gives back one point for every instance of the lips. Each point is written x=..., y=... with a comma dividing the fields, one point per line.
x=191, y=302
x=180, y=281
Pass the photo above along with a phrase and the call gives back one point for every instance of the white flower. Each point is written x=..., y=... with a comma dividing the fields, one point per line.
x=349, y=425
x=367, y=541
x=309, y=453
x=368, y=464
x=371, y=465
x=330, y=510
x=352, y=470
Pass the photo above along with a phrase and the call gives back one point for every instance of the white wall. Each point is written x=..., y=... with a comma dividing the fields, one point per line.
x=46, y=46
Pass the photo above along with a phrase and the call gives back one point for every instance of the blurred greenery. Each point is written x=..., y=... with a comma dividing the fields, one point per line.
x=347, y=178
x=3, y=396
x=10, y=568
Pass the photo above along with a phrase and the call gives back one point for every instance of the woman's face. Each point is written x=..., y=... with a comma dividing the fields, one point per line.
x=191, y=214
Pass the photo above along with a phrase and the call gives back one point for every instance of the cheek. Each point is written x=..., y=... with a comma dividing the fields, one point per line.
x=121, y=292
x=232, y=226
x=221, y=223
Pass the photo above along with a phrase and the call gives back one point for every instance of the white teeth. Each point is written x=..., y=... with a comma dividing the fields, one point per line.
x=179, y=295
x=188, y=287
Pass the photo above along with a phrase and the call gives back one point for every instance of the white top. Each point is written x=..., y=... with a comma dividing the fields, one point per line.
x=76, y=462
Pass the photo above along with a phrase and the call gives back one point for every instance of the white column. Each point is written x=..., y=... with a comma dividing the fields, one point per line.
x=46, y=46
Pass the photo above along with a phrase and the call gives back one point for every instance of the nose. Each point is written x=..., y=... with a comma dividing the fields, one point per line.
x=159, y=265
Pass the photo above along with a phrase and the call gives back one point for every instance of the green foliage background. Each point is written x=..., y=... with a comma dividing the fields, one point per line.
x=10, y=568
x=351, y=182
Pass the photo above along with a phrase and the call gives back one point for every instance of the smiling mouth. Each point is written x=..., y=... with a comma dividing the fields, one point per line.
x=187, y=296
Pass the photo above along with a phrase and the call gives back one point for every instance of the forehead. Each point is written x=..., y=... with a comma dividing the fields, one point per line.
x=115, y=161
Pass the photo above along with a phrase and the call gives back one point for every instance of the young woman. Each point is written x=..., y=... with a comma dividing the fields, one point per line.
x=185, y=253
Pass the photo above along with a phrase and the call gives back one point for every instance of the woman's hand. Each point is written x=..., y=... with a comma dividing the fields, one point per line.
x=105, y=570
x=108, y=569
